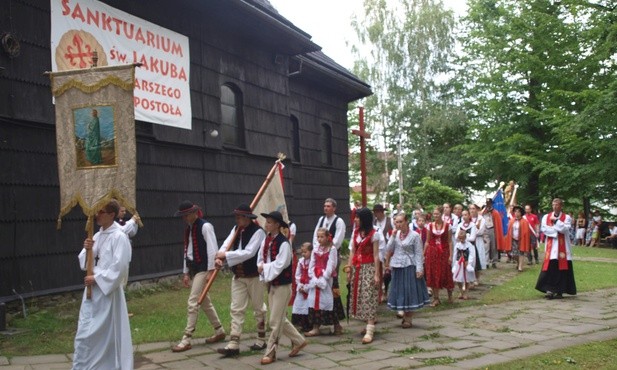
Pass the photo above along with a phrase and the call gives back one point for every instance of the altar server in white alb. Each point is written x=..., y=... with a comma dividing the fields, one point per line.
x=103, y=339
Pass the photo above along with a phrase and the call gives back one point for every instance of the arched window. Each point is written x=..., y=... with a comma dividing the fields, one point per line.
x=295, y=138
x=232, y=119
x=326, y=144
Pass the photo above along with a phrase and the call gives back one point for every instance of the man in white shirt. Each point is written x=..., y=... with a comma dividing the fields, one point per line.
x=274, y=268
x=246, y=288
x=332, y=222
x=200, y=248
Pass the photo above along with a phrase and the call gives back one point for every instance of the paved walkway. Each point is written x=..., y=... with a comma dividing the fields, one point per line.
x=459, y=338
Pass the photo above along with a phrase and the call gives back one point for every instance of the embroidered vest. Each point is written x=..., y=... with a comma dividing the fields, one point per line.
x=200, y=247
x=247, y=268
x=364, y=248
x=271, y=248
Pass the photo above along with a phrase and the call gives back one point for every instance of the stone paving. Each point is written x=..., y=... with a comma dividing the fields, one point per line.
x=458, y=338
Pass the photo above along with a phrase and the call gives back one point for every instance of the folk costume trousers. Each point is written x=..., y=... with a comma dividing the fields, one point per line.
x=247, y=290
x=490, y=246
x=278, y=297
x=199, y=282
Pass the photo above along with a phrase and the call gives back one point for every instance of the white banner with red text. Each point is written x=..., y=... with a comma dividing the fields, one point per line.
x=85, y=29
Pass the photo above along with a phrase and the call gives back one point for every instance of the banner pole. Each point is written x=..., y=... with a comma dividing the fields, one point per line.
x=89, y=259
x=256, y=200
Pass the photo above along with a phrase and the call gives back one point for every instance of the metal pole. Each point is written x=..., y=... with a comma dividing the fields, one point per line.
x=400, y=173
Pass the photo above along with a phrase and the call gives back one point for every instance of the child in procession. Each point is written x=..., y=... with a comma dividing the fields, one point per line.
x=463, y=264
x=322, y=269
x=300, y=309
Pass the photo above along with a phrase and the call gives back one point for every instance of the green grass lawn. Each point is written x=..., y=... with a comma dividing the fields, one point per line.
x=159, y=312
x=596, y=355
x=588, y=275
x=579, y=251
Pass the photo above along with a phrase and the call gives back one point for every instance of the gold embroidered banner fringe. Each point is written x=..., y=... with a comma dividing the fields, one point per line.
x=95, y=137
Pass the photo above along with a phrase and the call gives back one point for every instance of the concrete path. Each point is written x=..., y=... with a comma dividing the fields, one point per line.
x=458, y=338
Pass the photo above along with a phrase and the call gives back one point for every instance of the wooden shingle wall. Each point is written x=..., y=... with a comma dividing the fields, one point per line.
x=172, y=164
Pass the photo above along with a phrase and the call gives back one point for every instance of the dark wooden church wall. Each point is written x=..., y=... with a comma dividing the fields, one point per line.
x=313, y=180
x=172, y=164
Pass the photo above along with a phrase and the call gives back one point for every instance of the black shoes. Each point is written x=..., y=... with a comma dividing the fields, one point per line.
x=258, y=347
x=551, y=295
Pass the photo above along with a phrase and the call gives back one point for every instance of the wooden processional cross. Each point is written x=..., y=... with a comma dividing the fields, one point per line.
x=363, y=136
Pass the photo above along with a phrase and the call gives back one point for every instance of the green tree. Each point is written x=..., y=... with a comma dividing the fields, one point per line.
x=404, y=54
x=534, y=74
x=430, y=193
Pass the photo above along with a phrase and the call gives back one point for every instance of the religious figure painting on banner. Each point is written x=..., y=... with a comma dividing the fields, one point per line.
x=95, y=143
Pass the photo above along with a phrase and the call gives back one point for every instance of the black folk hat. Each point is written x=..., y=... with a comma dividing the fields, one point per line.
x=276, y=216
x=244, y=210
x=185, y=208
x=378, y=208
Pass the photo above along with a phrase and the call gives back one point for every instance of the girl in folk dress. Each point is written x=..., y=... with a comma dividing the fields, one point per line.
x=363, y=272
x=300, y=309
x=518, y=239
x=463, y=264
x=438, y=257
x=322, y=269
x=406, y=259
x=471, y=235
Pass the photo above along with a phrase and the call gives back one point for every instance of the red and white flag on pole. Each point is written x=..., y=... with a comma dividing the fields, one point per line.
x=273, y=198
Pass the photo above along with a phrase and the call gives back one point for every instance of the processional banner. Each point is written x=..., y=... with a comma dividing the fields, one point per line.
x=95, y=137
x=273, y=198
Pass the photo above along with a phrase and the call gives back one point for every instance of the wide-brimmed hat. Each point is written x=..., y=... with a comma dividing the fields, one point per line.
x=276, y=216
x=244, y=210
x=185, y=208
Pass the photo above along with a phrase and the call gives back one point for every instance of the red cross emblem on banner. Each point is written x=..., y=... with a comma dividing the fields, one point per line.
x=79, y=53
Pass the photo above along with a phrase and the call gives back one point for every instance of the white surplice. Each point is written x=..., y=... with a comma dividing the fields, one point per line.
x=103, y=339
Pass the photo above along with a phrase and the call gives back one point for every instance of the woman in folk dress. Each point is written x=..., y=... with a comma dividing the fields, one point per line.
x=438, y=257
x=363, y=272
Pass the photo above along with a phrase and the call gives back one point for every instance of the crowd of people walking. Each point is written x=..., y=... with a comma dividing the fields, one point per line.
x=406, y=261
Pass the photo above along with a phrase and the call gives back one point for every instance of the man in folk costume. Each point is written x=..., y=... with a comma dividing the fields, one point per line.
x=336, y=227
x=518, y=239
x=246, y=288
x=557, y=275
x=493, y=237
x=200, y=247
x=274, y=267
x=332, y=222
x=103, y=339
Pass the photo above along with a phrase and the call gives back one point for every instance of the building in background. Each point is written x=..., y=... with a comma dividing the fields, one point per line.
x=255, y=79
